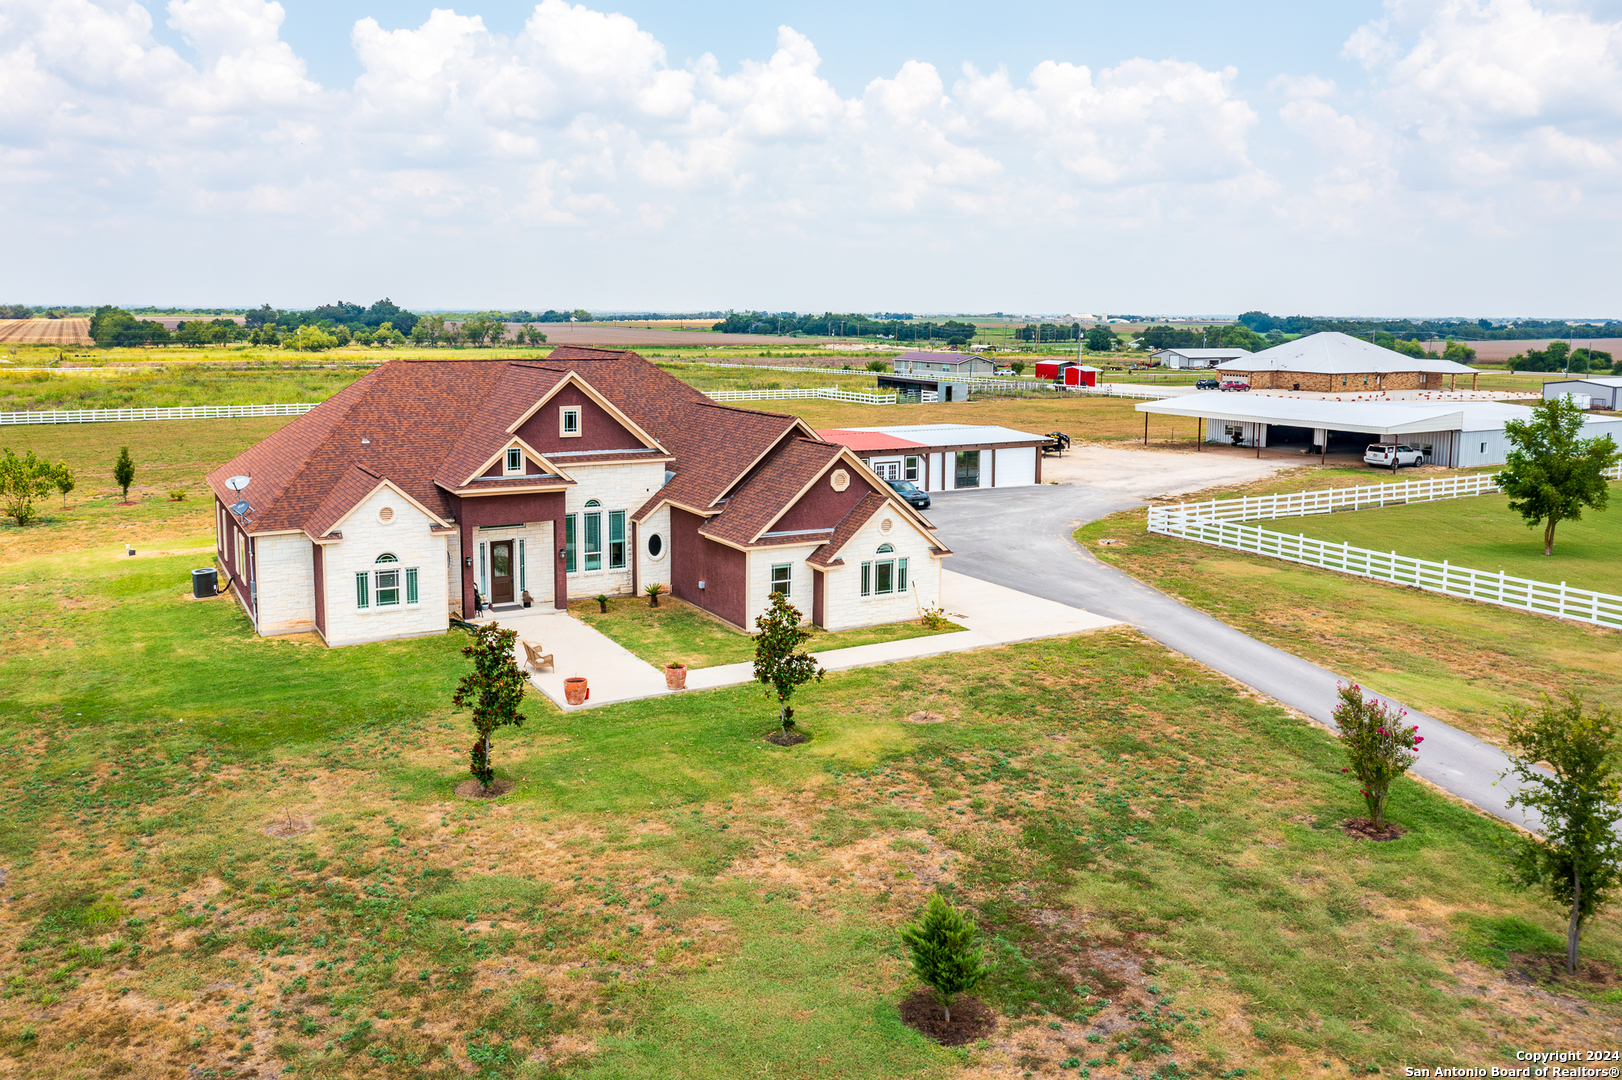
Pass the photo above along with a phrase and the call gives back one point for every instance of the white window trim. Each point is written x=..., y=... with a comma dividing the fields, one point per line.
x=374, y=576
x=563, y=422
x=507, y=462
x=771, y=580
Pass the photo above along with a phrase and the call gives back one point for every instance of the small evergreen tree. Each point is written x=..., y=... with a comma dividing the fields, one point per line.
x=1578, y=861
x=944, y=956
x=64, y=479
x=1378, y=744
x=124, y=471
x=777, y=665
x=494, y=689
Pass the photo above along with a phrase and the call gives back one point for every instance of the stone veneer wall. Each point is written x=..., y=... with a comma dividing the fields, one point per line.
x=844, y=606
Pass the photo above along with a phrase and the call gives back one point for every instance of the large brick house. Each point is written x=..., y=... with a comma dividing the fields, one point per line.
x=387, y=508
x=1332, y=361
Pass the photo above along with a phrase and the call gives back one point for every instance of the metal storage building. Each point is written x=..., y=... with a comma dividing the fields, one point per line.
x=947, y=457
x=1604, y=391
x=1198, y=358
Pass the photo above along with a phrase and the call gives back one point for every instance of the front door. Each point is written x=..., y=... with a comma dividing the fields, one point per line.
x=501, y=572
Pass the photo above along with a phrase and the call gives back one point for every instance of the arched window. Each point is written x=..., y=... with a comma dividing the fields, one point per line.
x=885, y=575
x=386, y=557
x=592, y=502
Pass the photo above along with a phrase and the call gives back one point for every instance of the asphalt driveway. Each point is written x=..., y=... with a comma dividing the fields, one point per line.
x=1020, y=538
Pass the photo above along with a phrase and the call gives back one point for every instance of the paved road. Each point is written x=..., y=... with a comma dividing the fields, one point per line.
x=1020, y=537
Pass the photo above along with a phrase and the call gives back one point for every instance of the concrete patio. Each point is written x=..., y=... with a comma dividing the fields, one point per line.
x=991, y=615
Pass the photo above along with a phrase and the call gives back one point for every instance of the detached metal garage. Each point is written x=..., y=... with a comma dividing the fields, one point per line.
x=1458, y=434
x=947, y=457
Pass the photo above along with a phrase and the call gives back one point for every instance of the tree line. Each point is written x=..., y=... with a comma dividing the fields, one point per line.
x=1560, y=356
x=831, y=324
x=1424, y=329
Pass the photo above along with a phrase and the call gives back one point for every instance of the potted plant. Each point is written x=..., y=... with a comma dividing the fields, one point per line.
x=653, y=590
x=602, y=603
x=528, y=599
x=676, y=675
x=575, y=690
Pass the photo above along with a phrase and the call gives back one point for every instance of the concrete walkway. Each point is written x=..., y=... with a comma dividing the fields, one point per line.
x=990, y=613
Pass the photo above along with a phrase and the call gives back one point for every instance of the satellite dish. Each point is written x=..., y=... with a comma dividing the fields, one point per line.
x=241, y=508
x=237, y=483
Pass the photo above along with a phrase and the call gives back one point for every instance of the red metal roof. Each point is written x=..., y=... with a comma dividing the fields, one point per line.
x=867, y=440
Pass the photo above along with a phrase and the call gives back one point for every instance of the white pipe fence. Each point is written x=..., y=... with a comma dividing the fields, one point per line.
x=827, y=393
x=1363, y=497
x=1222, y=523
x=179, y=412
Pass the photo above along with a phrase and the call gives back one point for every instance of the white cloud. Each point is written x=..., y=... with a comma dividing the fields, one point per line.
x=1487, y=114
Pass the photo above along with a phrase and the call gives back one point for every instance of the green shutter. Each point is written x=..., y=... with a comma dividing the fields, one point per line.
x=867, y=579
x=568, y=543
x=411, y=585
x=363, y=585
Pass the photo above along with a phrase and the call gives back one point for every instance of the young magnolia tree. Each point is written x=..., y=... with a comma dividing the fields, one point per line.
x=1578, y=862
x=494, y=690
x=944, y=956
x=22, y=481
x=1379, y=746
x=1553, y=472
x=777, y=665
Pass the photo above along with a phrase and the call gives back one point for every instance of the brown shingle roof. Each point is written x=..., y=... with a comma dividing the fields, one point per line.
x=764, y=495
x=427, y=424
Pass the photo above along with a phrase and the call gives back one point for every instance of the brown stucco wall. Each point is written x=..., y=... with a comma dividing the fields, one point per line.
x=598, y=430
x=507, y=510
x=821, y=506
x=695, y=558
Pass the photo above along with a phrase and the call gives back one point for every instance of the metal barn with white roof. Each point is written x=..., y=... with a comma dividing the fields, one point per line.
x=1455, y=434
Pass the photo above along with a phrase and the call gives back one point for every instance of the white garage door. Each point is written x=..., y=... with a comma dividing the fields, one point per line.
x=1016, y=466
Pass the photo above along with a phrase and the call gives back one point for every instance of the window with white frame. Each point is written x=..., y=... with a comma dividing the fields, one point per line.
x=569, y=421
x=885, y=575
x=910, y=471
x=388, y=584
x=515, y=461
x=388, y=581
x=782, y=578
x=592, y=540
x=616, y=539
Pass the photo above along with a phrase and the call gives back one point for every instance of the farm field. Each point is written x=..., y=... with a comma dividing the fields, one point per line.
x=44, y=331
x=243, y=856
x=1481, y=533
x=1459, y=660
x=677, y=631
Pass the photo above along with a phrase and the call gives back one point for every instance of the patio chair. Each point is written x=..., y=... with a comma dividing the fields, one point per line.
x=535, y=658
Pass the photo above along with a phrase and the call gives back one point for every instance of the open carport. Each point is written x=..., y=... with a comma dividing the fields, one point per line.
x=1242, y=420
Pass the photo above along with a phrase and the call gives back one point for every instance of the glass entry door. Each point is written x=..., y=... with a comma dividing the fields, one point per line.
x=501, y=572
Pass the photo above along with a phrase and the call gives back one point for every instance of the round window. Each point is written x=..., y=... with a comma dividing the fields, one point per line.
x=386, y=514
x=656, y=545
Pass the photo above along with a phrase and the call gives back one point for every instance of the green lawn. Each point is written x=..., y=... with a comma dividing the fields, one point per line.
x=1481, y=533
x=1153, y=859
x=1460, y=660
x=675, y=630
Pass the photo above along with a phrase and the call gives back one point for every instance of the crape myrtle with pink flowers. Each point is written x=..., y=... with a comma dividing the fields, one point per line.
x=1379, y=743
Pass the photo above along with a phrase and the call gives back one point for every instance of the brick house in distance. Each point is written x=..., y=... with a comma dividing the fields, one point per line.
x=384, y=510
x=1332, y=361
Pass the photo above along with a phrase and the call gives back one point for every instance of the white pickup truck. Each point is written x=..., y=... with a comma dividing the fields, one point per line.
x=1388, y=456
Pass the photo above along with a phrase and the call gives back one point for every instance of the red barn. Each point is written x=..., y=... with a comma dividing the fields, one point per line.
x=1053, y=370
x=1080, y=375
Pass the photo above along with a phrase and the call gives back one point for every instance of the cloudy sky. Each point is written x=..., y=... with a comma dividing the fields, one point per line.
x=1417, y=157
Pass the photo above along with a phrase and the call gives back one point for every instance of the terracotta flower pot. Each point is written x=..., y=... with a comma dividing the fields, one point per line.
x=575, y=691
x=676, y=676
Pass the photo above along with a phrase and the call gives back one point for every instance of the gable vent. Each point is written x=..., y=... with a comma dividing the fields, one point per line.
x=386, y=514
